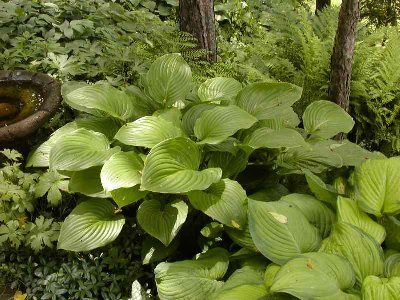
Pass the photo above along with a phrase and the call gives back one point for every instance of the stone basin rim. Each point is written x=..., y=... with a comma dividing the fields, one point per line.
x=49, y=88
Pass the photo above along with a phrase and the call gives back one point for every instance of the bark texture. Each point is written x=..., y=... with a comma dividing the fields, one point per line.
x=342, y=57
x=321, y=4
x=197, y=17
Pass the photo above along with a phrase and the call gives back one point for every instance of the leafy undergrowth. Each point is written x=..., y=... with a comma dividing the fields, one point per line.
x=274, y=209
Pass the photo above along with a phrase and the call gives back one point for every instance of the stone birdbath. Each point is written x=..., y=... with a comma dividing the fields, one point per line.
x=27, y=101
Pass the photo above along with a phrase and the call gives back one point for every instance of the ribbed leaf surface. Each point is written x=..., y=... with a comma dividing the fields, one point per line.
x=219, y=123
x=362, y=251
x=320, y=189
x=192, y=114
x=122, y=170
x=162, y=221
x=375, y=288
x=377, y=187
x=90, y=225
x=102, y=100
x=315, y=276
x=266, y=100
x=80, y=150
x=87, y=182
x=269, y=138
x=280, y=231
x=219, y=88
x=147, y=132
x=317, y=213
x=192, y=279
x=326, y=119
x=392, y=265
x=172, y=167
x=126, y=196
x=224, y=201
x=349, y=212
x=169, y=79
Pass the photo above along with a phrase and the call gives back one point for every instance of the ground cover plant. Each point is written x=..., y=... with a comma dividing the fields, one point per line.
x=304, y=226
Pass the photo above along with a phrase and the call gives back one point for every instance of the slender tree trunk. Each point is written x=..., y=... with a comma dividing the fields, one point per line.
x=321, y=4
x=342, y=57
x=197, y=17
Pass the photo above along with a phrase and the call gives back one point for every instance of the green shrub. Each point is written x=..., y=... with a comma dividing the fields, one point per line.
x=187, y=155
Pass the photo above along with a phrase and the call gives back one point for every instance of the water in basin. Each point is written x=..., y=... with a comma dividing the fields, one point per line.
x=18, y=100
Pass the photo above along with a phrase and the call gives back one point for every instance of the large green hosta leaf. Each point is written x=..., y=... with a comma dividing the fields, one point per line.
x=242, y=237
x=40, y=156
x=126, y=196
x=219, y=88
x=162, y=221
x=169, y=79
x=375, y=288
x=363, y=252
x=122, y=170
x=392, y=227
x=325, y=119
x=349, y=212
x=192, y=114
x=266, y=100
x=244, y=283
x=147, y=132
x=320, y=189
x=269, y=138
x=172, y=167
x=90, y=225
x=317, y=213
x=280, y=231
x=230, y=164
x=392, y=265
x=101, y=100
x=224, y=201
x=217, y=124
x=377, y=188
x=80, y=150
x=192, y=279
x=87, y=182
x=315, y=276
x=315, y=159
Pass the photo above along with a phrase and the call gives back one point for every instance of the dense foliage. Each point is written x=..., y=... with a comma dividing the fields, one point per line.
x=173, y=178
x=185, y=156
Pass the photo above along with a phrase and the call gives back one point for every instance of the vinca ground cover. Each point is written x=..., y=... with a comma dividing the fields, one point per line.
x=167, y=187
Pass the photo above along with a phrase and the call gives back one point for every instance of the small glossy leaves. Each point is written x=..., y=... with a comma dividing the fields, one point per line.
x=325, y=119
x=90, y=225
x=377, y=187
x=102, y=100
x=192, y=279
x=349, y=212
x=316, y=212
x=122, y=170
x=266, y=100
x=80, y=150
x=315, y=276
x=217, y=124
x=147, y=132
x=280, y=231
x=362, y=251
x=162, y=221
x=172, y=167
x=219, y=88
x=169, y=79
x=375, y=288
x=224, y=201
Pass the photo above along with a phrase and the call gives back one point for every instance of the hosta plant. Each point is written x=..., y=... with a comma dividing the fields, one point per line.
x=175, y=151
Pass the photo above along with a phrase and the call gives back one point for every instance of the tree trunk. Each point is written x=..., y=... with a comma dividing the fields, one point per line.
x=342, y=56
x=197, y=17
x=321, y=4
